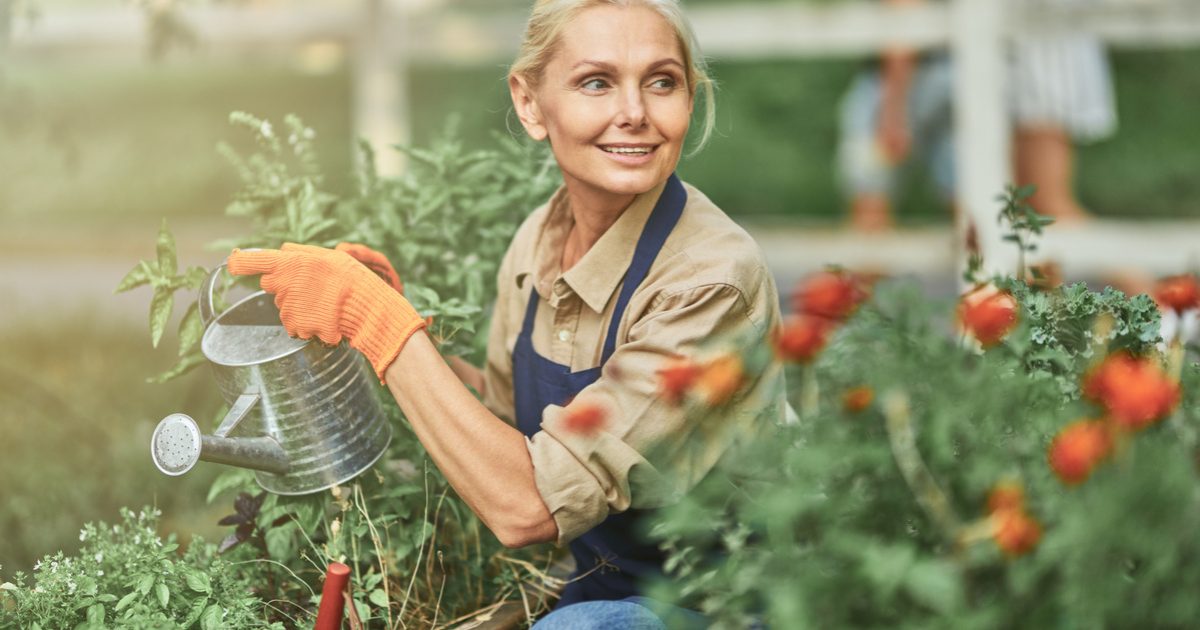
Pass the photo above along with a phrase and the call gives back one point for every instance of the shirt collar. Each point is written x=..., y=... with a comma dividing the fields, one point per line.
x=596, y=276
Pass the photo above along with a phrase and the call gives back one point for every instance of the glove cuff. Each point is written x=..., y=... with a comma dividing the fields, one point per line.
x=380, y=321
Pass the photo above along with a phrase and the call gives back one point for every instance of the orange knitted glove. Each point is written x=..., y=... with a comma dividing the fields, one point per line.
x=330, y=295
x=375, y=261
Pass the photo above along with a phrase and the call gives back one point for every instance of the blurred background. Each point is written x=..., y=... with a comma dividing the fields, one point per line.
x=111, y=110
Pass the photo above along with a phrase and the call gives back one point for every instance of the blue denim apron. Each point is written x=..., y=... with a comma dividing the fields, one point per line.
x=538, y=382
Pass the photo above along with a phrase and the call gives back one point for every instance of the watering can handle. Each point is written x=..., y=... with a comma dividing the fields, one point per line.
x=206, y=290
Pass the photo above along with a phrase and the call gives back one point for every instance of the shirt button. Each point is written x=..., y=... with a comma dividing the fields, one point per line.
x=564, y=335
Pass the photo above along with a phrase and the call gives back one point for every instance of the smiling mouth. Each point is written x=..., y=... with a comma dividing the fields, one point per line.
x=628, y=150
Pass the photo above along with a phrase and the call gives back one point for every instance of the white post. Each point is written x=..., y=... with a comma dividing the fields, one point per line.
x=381, y=107
x=982, y=131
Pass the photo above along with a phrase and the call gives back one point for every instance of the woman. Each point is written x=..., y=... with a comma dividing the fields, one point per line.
x=624, y=266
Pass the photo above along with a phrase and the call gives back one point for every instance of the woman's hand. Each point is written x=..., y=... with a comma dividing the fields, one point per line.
x=330, y=295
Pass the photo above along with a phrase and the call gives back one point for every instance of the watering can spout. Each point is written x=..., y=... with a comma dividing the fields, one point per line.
x=178, y=444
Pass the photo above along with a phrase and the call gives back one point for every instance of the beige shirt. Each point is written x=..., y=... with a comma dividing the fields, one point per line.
x=708, y=281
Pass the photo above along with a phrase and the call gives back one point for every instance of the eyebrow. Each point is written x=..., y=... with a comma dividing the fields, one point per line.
x=608, y=67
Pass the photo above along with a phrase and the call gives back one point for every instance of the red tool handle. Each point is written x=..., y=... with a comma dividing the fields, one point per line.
x=329, y=615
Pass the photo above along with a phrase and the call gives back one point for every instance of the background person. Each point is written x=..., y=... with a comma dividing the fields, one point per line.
x=900, y=108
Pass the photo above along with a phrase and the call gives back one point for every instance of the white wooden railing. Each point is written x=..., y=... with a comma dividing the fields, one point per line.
x=386, y=36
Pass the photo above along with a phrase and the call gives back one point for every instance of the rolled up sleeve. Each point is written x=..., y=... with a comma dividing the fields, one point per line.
x=648, y=450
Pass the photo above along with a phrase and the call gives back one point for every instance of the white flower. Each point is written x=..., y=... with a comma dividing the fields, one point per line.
x=37, y=565
x=71, y=587
x=82, y=535
x=100, y=574
x=38, y=589
x=53, y=566
x=265, y=129
x=309, y=134
x=99, y=557
x=137, y=540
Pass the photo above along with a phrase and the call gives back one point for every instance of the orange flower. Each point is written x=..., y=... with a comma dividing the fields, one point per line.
x=720, y=379
x=857, y=399
x=1006, y=495
x=584, y=418
x=829, y=294
x=1015, y=532
x=802, y=337
x=988, y=315
x=1077, y=449
x=1180, y=293
x=1135, y=391
x=676, y=379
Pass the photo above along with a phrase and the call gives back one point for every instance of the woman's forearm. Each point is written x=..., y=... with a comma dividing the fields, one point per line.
x=470, y=375
x=484, y=458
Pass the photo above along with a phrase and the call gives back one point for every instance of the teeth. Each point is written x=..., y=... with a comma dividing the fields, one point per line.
x=638, y=150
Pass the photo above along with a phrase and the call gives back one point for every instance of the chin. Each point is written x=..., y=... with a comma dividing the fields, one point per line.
x=633, y=182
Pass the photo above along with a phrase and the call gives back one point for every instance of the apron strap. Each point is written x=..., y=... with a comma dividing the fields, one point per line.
x=658, y=227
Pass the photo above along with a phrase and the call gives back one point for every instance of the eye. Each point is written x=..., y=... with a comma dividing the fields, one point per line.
x=664, y=83
x=594, y=84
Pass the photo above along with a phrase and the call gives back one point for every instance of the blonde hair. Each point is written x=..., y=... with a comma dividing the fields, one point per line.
x=550, y=16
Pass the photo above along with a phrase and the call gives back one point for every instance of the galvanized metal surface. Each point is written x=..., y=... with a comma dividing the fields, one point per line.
x=304, y=415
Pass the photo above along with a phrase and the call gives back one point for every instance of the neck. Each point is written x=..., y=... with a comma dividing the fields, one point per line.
x=594, y=211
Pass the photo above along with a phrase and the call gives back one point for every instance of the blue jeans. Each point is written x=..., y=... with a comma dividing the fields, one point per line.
x=631, y=613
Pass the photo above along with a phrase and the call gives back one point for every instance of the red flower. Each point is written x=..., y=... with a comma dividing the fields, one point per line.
x=720, y=379
x=802, y=337
x=1077, y=449
x=988, y=315
x=1180, y=293
x=1135, y=391
x=584, y=418
x=857, y=399
x=676, y=379
x=1006, y=495
x=829, y=294
x=1015, y=532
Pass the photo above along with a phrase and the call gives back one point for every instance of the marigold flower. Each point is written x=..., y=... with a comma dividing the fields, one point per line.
x=1015, y=532
x=988, y=315
x=829, y=294
x=857, y=399
x=1077, y=449
x=676, y=378
x=1006, y=495
x=720, y=379
x=802, y=337
x=1135, y=391
x=1180, y=293
x=584, y=418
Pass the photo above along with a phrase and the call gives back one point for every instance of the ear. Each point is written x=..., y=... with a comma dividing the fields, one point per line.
x=526, y=107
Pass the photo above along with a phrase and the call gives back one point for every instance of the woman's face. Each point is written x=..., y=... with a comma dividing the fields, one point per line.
x=613, y=100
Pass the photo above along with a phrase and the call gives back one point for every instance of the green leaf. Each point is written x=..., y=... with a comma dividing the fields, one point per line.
x=210, y=619
x=237, y=478
x=145, y=583
x=194, y=613
x=198, y=582
x=166, y=251
x=190, y=328
x=139, y=275
x=160, y=311
x=379, y=598
x=95, y=614
x=125, y=601
x=164, y=594
x=181, y=367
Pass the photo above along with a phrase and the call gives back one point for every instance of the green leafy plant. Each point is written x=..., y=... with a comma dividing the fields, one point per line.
x=419, y=555
x=127, y=576
x=877, y=513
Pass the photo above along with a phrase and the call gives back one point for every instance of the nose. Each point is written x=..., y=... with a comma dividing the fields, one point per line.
x=632, y=113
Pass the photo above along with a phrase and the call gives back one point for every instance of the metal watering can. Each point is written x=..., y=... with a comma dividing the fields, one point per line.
x=316, y=418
